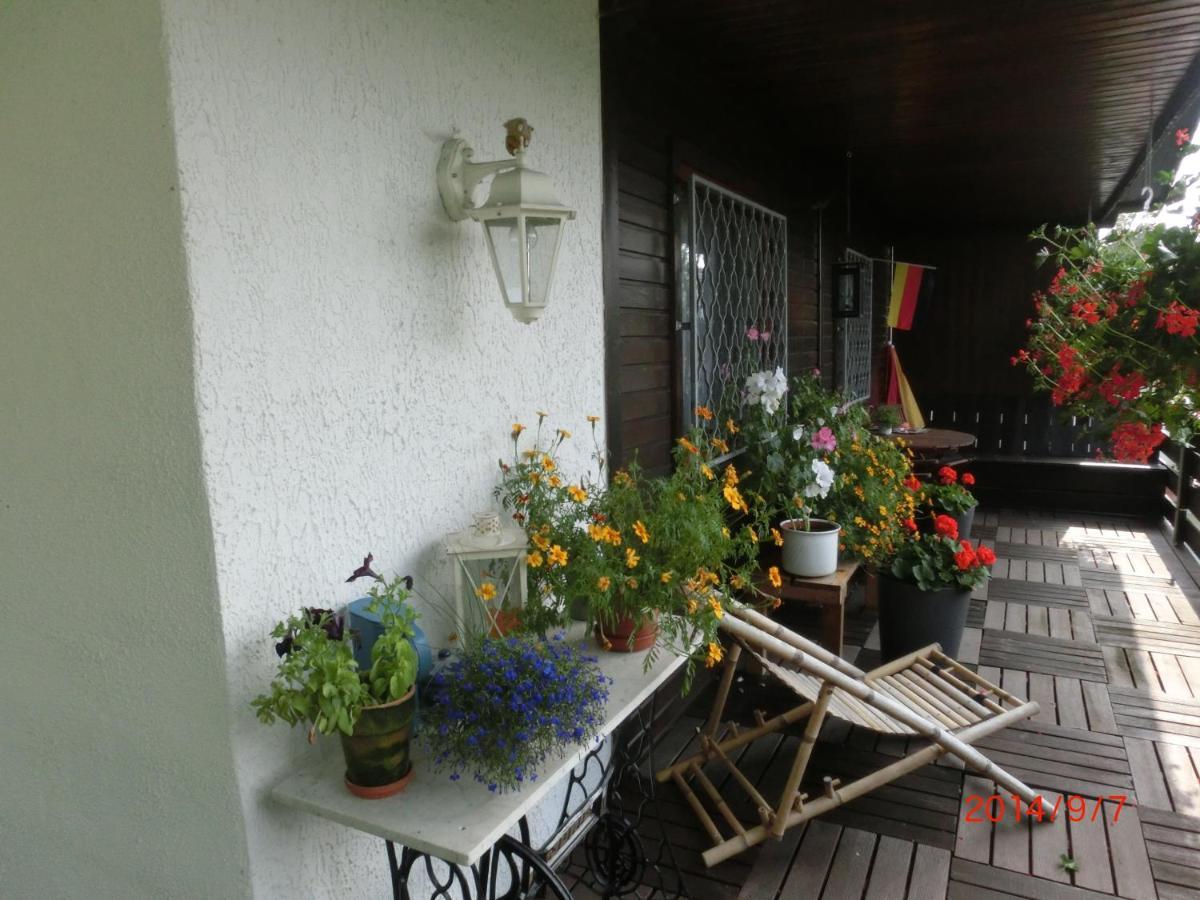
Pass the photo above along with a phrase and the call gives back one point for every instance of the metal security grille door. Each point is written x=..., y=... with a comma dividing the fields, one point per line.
x=853, y=338
x=733, y=292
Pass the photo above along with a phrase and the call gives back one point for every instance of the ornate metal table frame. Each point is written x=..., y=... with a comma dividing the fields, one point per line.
x=605, y=818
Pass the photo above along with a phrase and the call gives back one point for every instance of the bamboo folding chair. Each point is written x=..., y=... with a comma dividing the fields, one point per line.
x=924, y=694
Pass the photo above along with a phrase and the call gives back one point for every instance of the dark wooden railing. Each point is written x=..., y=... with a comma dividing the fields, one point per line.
x=1027, y=455
x=1181, y=494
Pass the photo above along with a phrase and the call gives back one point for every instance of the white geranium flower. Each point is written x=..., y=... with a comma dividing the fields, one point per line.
x=797, y=432
x=822, y=480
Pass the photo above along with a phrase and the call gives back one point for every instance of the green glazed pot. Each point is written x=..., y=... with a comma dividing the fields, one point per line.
x=378, y=756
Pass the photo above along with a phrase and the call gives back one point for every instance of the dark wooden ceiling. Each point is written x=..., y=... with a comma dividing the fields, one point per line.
x=992, y=112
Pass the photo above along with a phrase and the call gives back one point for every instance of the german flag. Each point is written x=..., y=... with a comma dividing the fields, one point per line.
x=909, y=284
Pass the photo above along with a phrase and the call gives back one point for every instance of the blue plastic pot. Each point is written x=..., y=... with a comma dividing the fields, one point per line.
x=367, y=628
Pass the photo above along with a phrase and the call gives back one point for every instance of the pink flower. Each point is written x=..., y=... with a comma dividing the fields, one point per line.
x=824, y=440
x=764, y=336
x=752, y=333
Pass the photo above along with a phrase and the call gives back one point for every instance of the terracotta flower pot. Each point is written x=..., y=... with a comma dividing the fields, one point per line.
x=507, y=622
x=627, y=636
x=378, y=757
x=910, y=618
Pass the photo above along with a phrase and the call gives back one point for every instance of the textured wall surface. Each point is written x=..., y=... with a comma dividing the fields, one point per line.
x=357, y=373
x=116, y=769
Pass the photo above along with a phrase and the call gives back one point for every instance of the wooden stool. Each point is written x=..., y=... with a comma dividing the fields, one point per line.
x=828, y=592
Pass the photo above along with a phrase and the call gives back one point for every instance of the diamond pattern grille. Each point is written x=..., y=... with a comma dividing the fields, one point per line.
x=735, y=285
x=853, y=338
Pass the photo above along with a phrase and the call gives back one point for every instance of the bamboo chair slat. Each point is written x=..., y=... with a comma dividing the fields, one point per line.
x=698, y=808
x=717, y=800
x=904, y=692
x=947, y=706
x=760, y=802
x=955, y=690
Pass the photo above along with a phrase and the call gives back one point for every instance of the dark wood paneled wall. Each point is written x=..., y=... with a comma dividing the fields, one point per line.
x=658, y=129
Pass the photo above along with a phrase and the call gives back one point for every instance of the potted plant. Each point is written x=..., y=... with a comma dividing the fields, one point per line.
x=949, y=494
x=319, y=681
x=871, y=497
x=502, y=707
x=925, y=590
x=552, y=509
x=887, y=418
x=661, y=552
x=789, y=449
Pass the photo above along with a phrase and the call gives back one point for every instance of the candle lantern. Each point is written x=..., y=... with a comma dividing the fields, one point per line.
x=489, y=573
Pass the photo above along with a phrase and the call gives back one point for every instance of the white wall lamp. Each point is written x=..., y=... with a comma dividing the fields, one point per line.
x=522, y=218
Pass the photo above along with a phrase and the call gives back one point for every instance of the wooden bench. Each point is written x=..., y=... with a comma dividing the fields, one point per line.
x=827, y=592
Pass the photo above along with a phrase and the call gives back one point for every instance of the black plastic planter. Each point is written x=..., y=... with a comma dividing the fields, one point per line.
x=910, y=618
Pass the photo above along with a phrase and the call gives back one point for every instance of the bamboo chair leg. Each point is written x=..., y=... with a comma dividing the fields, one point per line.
x=714, y=717
x=811, y=729
x=844, y=794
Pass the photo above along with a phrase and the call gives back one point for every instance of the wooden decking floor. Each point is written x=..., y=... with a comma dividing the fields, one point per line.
x=1095, y=619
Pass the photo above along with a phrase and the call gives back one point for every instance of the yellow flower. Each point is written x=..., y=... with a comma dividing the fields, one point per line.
x=692, y=606
x=736, y=581
x=529, y=454
x=753, y=533
x=540, y=541
x=724, y=531
x=631, y=583
x=603, y=582
x=486, y=591
x=631, y=558
x=640, y=530
x=577, y=493
x=534, y=559
x=731, y=475
x=731, y=426
x=541, y=414
x=688, y=445
x=719, y=445
x=622, y=477
x=563, y=433
x=558, y=556
x=593, y=419
x=517, y=429
x=705, y=413
x=716, y=607
x=777, y=537
x=714, y=654
x=883, y=510
x=666, y=577
x=555, y=481
x=547, y=463
x=535, y=477
x=734, y=497
x=707, y=472
x=774, y=576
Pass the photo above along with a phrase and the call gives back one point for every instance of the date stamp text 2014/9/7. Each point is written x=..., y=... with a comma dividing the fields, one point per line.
x=998, y=807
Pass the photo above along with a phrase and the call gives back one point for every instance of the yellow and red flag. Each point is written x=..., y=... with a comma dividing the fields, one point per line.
x=899, y=392
x=909, y=284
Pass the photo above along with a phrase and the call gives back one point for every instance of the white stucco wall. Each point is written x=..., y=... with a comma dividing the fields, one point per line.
x=357, y=373
x=116, y=768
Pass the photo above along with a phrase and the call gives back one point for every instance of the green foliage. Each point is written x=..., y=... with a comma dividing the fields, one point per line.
x=888, y=416
x=318, y=679
x=874, y=495
x=936, y=561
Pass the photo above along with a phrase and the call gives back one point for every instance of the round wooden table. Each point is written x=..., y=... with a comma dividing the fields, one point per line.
x=935, y=447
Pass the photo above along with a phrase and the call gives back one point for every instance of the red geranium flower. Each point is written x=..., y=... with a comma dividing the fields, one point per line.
x=1179, y=319
x=1136, y=441
x=944, y=525
x=947, y=475
x=986, y=556
x=1182, y=136
x=968, y=479
x=911, y=524
x=965, y=558
x=913, y=483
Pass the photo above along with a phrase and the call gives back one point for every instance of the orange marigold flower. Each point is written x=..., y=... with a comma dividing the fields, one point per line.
x=775, y=578
x=517, y=429
x=688, y=446
x=707, y=472
x=734, y=498
x=777, y=537
x=716, y=607
x=731, y=426
x=577, y=493
x=714, y=654
x=719, y=445
x=593, y=419
x=640, y=530
x=603, y=582
x=666, y=577
x=631, y=558
x=558, y=556
x=486, y=591
x=705, y=413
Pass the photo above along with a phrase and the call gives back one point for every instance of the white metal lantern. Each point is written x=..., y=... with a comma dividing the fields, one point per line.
x=522, y=217
x=489, y=571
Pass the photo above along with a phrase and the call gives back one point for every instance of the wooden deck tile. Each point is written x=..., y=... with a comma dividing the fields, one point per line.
x=1018, y=591
x=1050, y=552
x=1167, y=637
x=974, y=881
x=1155, y=716
x=1173, y=843
x=1062, y=759
x=1049, y=656
x=1123, y=581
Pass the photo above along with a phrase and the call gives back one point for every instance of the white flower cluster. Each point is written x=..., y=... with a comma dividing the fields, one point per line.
x=766, y=388
x=822, y=480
